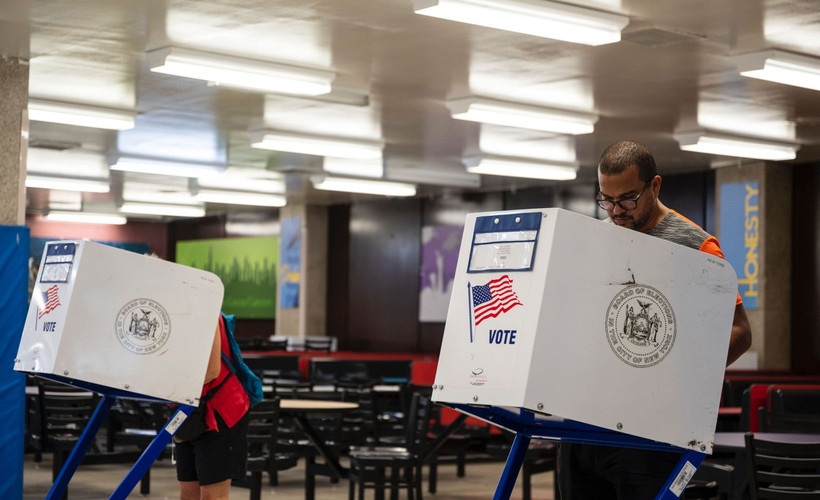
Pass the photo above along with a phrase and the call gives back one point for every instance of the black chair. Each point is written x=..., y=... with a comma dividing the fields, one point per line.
x=783, y=471
x=368, y=464
x=791, y=410
x=263, y=453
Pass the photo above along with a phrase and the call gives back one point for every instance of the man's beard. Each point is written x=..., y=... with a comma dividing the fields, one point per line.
x=631, y=222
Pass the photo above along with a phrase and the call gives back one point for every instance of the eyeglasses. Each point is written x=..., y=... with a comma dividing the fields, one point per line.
x=629, y=204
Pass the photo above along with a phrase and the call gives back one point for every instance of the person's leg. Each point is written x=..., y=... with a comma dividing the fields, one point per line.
x=220, y=457
x=216, y=491
x=577, y=477
x=188, y=490
x=186, y=471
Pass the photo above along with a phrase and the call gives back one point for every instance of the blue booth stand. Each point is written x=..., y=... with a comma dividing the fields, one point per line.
x=526, y=427
x=145, y=460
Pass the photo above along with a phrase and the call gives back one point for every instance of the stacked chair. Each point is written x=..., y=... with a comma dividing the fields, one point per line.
x=369, y=464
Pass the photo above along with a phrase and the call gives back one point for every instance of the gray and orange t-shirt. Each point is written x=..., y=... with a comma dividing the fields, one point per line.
x=678, y=229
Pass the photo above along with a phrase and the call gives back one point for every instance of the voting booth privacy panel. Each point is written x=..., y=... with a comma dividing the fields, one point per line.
x=575, y=318
x=109, y=318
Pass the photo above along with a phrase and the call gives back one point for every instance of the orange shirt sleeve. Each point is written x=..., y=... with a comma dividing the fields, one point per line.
x=711, y=246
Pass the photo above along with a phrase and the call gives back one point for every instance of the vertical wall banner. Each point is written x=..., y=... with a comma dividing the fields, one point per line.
x=14, y=254
x=439, y=256
x=290, y=267
x=740, y=225
x=247, y=268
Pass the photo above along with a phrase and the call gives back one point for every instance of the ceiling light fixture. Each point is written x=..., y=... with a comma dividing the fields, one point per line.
x=245, y=179
x=240, y=198
x=358, y=168
x=521, y=167
x=781, y=67
x=362, y=186
x=83, y=115
x=85, y=217
x=440, y=175
x=484, y=110
x=316, y=145
x=238, y=72
x=542, y=18
x=169, y=210
x=719, y=143
x=86, y=184
x=166, y=167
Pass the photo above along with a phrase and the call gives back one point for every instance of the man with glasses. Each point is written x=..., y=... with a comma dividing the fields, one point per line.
x=629, y=187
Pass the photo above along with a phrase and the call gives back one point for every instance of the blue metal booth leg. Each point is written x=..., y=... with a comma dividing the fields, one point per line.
x=518, y=452
x=151, y=453
x=680, y=476
x=140, y=466
x=77, y=454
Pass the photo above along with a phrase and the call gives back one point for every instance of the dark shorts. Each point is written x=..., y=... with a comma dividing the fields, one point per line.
x=215, y=456
x=587, y=472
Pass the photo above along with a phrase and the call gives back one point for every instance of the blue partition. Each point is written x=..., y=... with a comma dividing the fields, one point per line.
x=14, y=253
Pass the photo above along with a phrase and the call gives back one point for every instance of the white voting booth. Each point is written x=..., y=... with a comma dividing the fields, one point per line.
x=122, y=324
x=563, y=321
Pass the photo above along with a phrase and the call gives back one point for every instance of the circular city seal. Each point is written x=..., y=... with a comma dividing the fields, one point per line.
x=143, y=326
x=640, y=326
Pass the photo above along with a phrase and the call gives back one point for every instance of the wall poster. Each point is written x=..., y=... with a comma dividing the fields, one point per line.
x=740, y=226
x=290, y=268
x=247, y=268
x=439, y=256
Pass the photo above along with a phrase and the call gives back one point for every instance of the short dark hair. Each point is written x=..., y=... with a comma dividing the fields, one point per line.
x=621, y=155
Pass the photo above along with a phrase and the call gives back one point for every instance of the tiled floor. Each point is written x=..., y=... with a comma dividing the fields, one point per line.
x=98, y=481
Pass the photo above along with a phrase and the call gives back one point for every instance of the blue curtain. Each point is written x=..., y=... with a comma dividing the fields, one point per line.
x=14, y=252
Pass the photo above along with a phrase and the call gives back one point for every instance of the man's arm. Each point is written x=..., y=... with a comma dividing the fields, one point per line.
x=741, y=338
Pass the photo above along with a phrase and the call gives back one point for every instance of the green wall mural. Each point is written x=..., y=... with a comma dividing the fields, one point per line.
x=247, y=268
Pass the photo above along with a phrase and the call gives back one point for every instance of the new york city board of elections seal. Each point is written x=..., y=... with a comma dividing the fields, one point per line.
x=640, y=326
x=143, y=326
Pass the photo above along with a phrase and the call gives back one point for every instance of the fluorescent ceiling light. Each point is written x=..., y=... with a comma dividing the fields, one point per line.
x=362, y=186
x=241, y=198
x=702, y=141
x=87, y=184
x=163, y=209
x=521, y=167
x=85, y=217
x=166, y=167
x=174, y=192
x=358, y=168
x=542, y=18
x=82, y=115
x=444, y=175
x=78, y=163
x=316, y=145
x=238, y=72
x=245, y=179
x=781, y=67
x=480, y=109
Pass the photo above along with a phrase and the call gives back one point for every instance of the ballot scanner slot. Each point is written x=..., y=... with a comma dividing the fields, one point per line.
x=504, y=242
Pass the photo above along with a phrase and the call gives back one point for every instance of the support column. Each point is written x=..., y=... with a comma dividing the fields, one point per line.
x=754, y=229
x=13, y=140
x=14, y=253
x=308, y=318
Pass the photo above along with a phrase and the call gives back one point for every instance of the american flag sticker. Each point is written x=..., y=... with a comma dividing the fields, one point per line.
x=491, y=300
x=51, y=301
